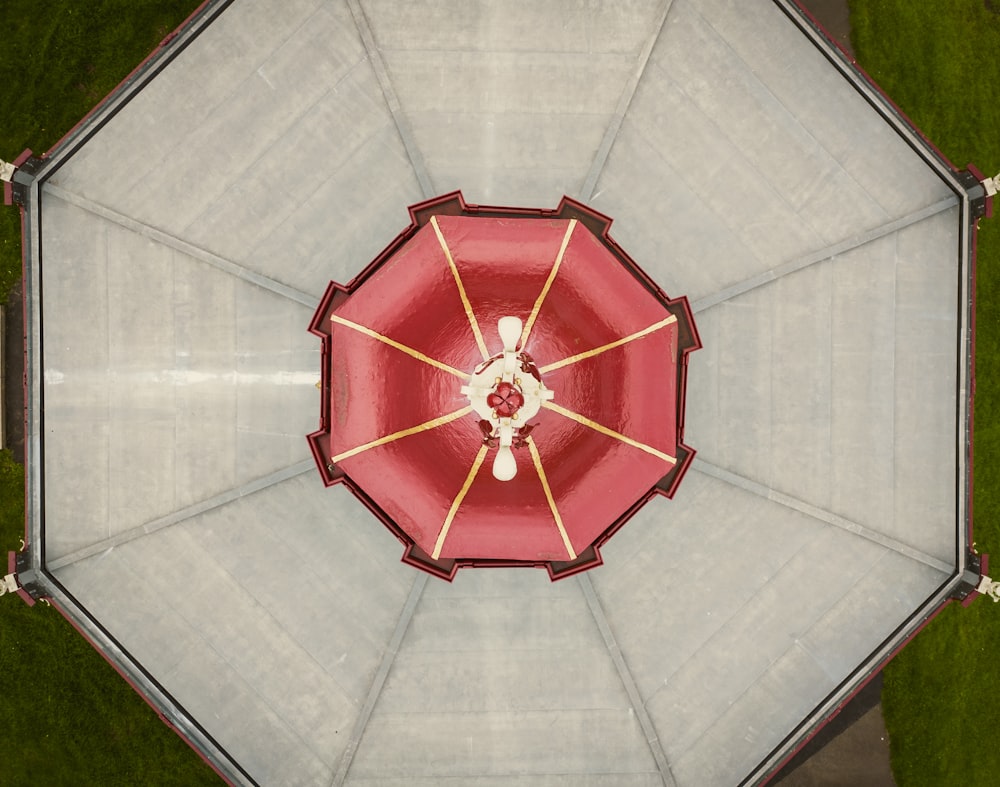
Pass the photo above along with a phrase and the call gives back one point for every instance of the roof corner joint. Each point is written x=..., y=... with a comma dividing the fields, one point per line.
x=21, y=578
x=975, y=581
x=981, y=191
x=17, y=176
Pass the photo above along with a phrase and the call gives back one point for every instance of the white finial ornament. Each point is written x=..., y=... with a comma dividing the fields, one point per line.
x=504, y=465
x=505, y=392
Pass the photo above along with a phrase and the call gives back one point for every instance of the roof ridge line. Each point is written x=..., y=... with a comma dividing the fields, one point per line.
x=196, y=252
x=824, y=254
x=822, y=515
x=182, y=514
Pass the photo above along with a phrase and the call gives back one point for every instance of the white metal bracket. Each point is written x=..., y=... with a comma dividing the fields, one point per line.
x=992, y=185
x=989, y=587
x=8, y=584
x=7, y=171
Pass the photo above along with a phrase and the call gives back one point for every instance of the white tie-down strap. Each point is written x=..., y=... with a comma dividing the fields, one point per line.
x=7, y=171
x=992, y=185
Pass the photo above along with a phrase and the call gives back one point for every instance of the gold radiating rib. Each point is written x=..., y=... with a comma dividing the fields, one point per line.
x=582, y=419
x=473, y=472
x=432, y=424
x=461, y=291
x=610, y=346
x=401, y=347
x=548, y=284
x=537, y=459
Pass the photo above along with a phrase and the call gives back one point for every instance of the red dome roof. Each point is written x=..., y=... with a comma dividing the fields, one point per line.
x=589, y=403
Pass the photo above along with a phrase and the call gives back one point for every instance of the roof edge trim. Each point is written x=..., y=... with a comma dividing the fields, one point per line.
x=169, y=48
x=156, y=696
x=829, y=707
x=873, y=94
x=771, y=765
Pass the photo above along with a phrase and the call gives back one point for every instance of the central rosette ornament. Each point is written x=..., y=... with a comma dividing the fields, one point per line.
x=505, y=392
x=506, y=399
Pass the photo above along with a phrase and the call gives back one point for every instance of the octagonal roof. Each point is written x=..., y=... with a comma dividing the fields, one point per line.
x=179, y=240
x=410, y=441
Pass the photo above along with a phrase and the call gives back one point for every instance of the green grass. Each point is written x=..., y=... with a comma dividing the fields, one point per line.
x=938, y=61
x=68, y=718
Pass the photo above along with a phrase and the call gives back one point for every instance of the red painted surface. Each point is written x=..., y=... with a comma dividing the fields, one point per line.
x=504, y=257
x=506, y=400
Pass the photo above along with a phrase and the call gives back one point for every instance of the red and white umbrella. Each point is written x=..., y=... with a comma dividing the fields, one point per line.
x=503, y=386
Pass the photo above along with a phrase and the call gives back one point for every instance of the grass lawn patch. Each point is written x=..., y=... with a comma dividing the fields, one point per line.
x=938, y=63
x=68, y=718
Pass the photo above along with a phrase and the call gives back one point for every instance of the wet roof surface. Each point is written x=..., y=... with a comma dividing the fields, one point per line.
x=480, y=450
x=182, y=240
